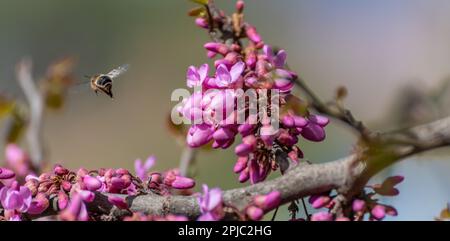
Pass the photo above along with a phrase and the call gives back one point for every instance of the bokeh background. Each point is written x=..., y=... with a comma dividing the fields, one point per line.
x=392, y=55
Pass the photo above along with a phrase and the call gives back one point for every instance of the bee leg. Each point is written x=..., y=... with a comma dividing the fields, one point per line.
x=96, y=93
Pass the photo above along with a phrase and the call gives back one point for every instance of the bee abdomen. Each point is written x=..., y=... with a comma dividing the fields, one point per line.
x=104, y=81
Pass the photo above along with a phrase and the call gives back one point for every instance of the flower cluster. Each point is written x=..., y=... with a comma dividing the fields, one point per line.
x=71, y=191
x=363, y=205
x=218, y=111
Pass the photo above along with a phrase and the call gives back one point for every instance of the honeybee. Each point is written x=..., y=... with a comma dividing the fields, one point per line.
x=103, y=82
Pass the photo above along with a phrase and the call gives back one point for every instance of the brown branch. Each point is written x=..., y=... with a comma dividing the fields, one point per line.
x=36, y=105
x=347, y=175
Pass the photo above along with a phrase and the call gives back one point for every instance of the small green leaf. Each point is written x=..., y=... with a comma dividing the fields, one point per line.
x=6, y=107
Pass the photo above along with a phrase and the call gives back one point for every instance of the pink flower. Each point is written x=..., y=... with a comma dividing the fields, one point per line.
x=199, y=135
x=17, y=160
x=142, y=169
x=201, y=22
x=319, y=201
x=314, y=130
x=225, y=78
x=278, y=60
x=196, y=77
x=173, y=179
x=210, y=204
x=15, y=197
x=92, y=183
x=252, y=34
x=217, y=48
x=283, y=80
x=192, y=108
x=269, y=201
x=39, y=204
x=358, y=205
x=378, y=212
x=76, y=210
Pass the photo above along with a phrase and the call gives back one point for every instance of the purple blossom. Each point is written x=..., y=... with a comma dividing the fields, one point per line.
x=17, y=160
x=225, y=78
x=199, y=135
x=196, y=77
x=15, y=197
x=314, y=130
x=76, y=210
x=278, y=60
x=142, y=169
x=269, y=201
x=210, y=204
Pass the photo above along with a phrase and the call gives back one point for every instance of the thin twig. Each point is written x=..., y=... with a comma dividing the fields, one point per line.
x=305, y=209
x=343, y=115
x=275, y=214
x=36, y=105
x=186, y=159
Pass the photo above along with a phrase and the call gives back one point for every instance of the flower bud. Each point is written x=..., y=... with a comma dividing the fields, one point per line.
x=39, y=204
x=66, y=186
x=240, y=6
x=59, y=170
x=183, y=183
x=201, y=22
x=378, y=212
x=255, y=213
x=243, y=149
x=217, y=48
x=244, y=175
x=358, y=205
x=211, y=54
x=223, y=134
x=342, y=219
x=6, y=173
x=269, y=201
x=252, y=34
x=322, y=216
x=240, y=165
x=63, y=200
x=117, y=183
x=319, y=201
x=91, y=183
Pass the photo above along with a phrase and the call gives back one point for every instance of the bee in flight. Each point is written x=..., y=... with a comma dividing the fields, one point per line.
x=103, y=82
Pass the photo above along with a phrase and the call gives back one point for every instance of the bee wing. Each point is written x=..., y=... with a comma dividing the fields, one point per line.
x=118, y=71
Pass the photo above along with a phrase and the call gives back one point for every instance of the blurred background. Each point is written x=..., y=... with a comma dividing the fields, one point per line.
x=392, y=55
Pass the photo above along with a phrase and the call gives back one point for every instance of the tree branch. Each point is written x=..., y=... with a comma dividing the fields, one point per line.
x=347, y=175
